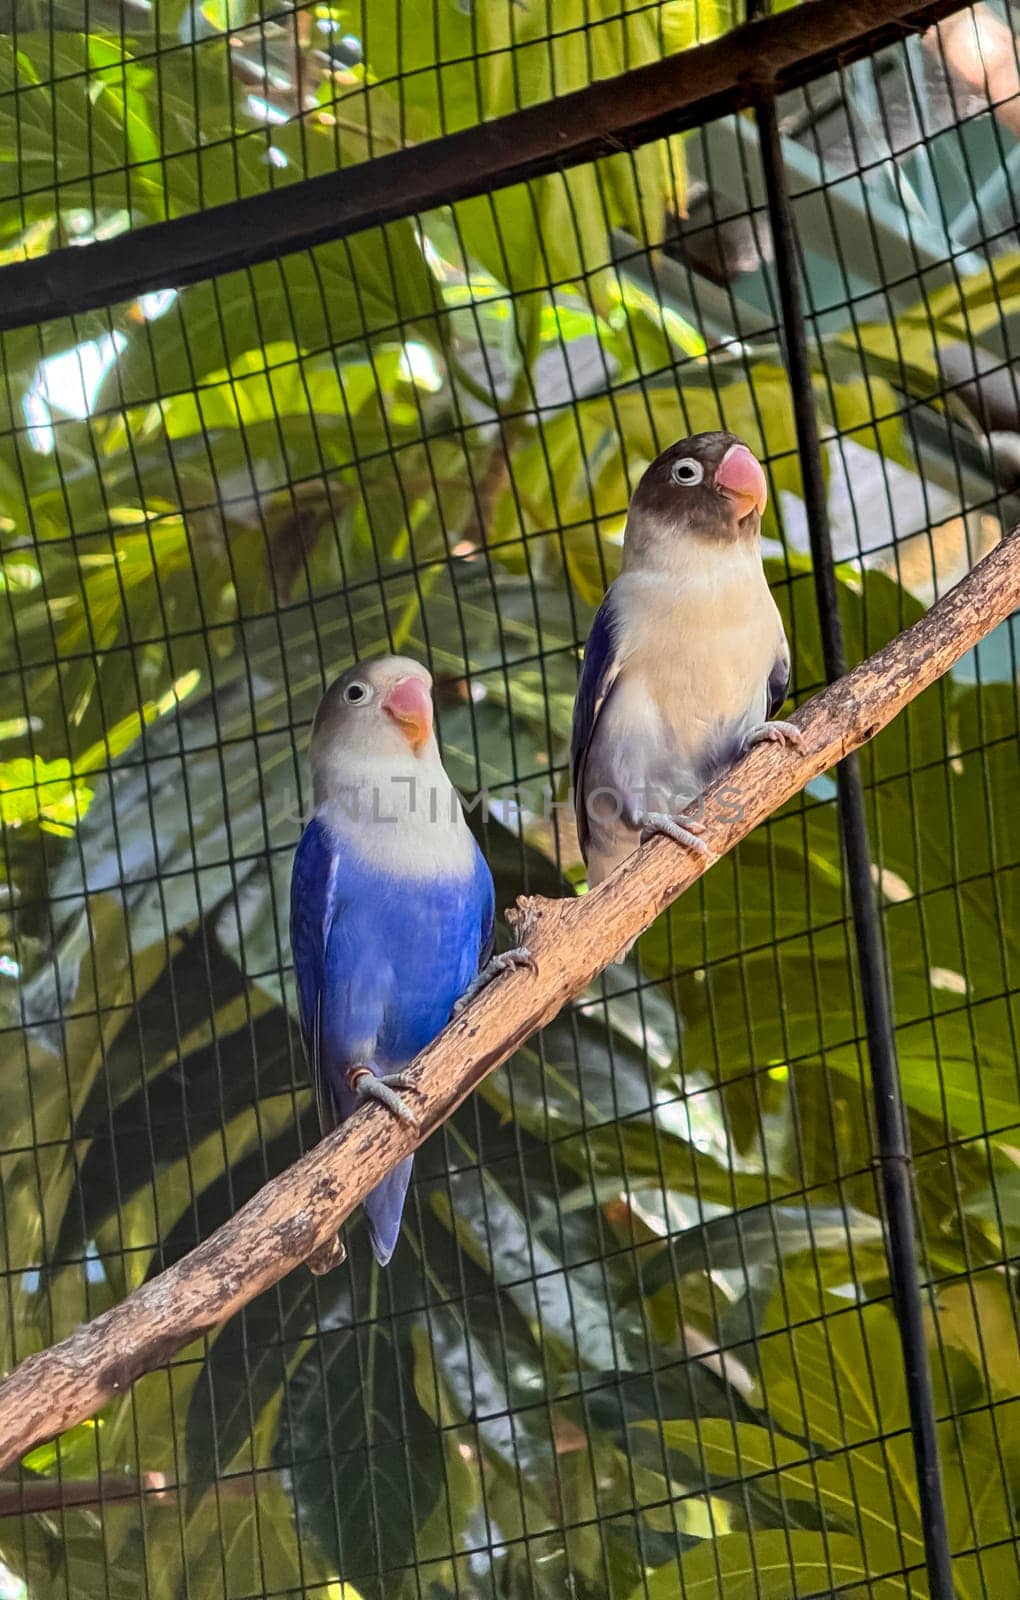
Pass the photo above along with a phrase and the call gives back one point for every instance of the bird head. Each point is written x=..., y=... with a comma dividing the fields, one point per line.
x=710, y=487
x=377, y=712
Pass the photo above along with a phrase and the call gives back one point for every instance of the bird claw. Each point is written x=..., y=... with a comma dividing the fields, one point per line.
x=682, y=830
x=364, y=1083
x=775, y=733
x=518, y=956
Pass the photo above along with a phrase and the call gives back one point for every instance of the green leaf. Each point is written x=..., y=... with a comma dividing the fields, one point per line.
x=978, y=1317
x=374, y=286
x=47, y=792
x=116, y=76
x=725, y=1456
x=769, y=1566
x=353, y=1398
x=761, y=1235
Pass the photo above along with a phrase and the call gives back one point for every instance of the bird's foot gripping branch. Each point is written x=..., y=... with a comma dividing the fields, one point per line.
x=571, y=941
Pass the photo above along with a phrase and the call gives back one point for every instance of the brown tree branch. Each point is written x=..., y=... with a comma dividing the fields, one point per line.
x=572, y=940
x=30, y=1497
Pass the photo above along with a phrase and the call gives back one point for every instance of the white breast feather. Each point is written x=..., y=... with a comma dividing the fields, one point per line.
x=700, y=651
x=403, y=816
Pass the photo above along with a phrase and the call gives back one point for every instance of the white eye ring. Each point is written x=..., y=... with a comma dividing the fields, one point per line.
x=687, y=471
x=357, y=693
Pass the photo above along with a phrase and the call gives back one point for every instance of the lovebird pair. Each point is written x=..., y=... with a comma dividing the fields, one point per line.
x=392, y=902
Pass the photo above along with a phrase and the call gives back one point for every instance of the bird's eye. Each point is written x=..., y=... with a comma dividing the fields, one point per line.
x=356, y=693
x=688, y=471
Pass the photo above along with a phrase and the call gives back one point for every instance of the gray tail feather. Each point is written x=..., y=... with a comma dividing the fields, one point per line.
x=384, y=1208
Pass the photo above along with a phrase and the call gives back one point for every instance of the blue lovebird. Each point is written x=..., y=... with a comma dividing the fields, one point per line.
x=687, y=658
x=391, y=912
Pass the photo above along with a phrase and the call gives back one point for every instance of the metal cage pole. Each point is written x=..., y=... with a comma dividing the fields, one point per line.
x=612, y=114
x=895, y=1161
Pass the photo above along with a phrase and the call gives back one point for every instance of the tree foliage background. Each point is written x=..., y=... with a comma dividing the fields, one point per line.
x=637, y=1337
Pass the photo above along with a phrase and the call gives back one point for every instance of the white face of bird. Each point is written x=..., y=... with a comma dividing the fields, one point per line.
x=377, y=710
x=377, y=774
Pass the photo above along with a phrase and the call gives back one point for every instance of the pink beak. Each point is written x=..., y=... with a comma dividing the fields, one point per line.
x=410, y=705
x=740, y=478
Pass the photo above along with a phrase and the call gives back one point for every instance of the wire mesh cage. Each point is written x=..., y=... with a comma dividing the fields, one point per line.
x=639, y=1338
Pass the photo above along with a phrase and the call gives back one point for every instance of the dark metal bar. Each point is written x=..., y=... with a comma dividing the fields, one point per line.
x=768, y=56
x=894, y=1156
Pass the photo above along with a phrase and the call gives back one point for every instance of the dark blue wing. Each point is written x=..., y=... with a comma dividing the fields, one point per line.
x=598, y=674
x=312, y=893
x=486, y=897
x=779, y=679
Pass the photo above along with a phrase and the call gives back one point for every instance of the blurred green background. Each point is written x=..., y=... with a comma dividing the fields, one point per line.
x=636, y=1340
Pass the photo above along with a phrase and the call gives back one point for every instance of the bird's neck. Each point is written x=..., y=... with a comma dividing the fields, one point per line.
x=402, y=815
x=692, y=564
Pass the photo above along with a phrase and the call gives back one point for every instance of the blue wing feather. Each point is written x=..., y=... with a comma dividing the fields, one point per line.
x=598, y=674
x=779, y=679
x=313, y=877
x=379, y=962
x=486, y=891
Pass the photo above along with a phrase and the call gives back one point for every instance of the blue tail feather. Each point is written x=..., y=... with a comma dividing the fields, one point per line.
x=384, y=1208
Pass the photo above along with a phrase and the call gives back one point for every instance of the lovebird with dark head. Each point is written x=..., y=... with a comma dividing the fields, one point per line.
x=687, y=659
